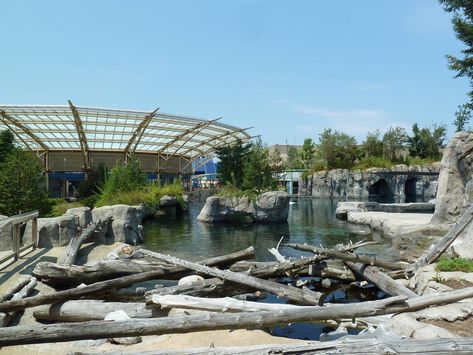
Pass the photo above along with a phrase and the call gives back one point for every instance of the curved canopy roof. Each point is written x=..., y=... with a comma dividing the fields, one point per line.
x=74, y=128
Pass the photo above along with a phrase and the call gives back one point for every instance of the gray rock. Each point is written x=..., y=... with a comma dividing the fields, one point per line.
x=125, y=225
x=341, y=183
x=84, y=215
x=455, y=189
x=269, y=207
x=68, y=228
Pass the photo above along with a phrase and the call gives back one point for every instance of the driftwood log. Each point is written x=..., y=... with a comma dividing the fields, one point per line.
x=442, y=245
x=302, y=296
x=6, y=318
x=213, y=321
x=71, y=275
x=345, y=256
x=124, y=281
x=380, y=279
x=374, y=346
x=87, y=310
x=87, y=234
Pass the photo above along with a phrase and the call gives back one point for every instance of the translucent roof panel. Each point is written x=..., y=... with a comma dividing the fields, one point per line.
x=74, y=128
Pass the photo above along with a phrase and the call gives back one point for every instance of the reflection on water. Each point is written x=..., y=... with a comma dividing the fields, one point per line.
x=310, y=221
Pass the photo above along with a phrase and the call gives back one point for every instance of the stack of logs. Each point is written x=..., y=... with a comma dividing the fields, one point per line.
x=85, y=294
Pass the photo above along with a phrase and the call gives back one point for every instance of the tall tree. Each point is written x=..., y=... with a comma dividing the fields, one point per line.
x=307, y=153
x=22, y=184
x=232, y=161
x=463, y=26
x=394, y=141
x=293, y=159
x=7, y=145
x=425, y=142
x=337, y=149
x=373, y=145
x=257, y=172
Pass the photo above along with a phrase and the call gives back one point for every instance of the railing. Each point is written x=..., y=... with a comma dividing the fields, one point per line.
x=15, y=222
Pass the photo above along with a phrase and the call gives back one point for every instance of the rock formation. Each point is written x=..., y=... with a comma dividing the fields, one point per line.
x=269, y=207
x=399, y=181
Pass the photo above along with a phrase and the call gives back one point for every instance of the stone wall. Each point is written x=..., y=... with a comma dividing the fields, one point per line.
x=419, y=181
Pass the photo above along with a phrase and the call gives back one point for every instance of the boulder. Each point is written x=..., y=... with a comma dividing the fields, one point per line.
x=83, y=214
x=268, y=207
x=56, y=231
x=455, y=188
x=125, y=225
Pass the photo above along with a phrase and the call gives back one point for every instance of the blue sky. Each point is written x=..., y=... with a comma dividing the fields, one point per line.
x=288, y=68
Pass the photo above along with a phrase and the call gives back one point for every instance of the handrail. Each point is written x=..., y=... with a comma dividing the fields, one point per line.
x=15, y=221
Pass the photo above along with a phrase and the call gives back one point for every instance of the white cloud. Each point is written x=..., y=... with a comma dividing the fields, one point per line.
x=328, y=113
x=355, y=122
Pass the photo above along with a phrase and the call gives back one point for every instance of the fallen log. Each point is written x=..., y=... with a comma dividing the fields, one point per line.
x=303, y=296
x=353, y=345
x=223, y=304
x=79, y=292
x=15, y=288
x=86, y=310
x=442, y=245
x=212, y=321
x=269, y=269
x=380, y=279
x=6, y=318
x=70, y=275
x=328, y=253
x=70, y=253
x=183, y=324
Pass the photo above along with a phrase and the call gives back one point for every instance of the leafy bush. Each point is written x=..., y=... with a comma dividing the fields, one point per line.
x=373, y=162
x=59, y=206
x=456, y=264
x=22, y=184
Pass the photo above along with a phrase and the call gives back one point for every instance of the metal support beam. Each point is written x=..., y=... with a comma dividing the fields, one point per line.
x=8, y=119
x=219, y=137
x=138, y=133
x=80, y=132
x=195, y=130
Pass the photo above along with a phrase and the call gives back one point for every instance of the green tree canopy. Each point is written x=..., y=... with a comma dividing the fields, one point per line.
x=7, y=145
x=293, y=159
x=232, y=162
x=425, y=142
x=373, y=145
x=125, y=177
x=337, y=149
x=22, y=184
x=394, y=141
x=463, y=26
x=258, y=174
x=307, y=153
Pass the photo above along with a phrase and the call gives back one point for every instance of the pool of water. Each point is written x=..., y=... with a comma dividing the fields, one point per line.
x=310, y=221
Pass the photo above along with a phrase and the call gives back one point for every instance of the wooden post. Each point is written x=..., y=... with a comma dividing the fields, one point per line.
x=34, y=232
x=16, y=241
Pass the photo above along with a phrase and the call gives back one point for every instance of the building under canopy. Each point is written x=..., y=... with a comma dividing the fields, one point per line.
x=72, y=140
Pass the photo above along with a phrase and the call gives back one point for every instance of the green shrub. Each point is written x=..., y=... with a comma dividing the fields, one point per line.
x=373, y=162
x=60, y=206
x=90, y=201
x=456, y=264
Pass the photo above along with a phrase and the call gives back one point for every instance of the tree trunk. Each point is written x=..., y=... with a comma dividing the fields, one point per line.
x=327, y=253
x=303, y=296
x=212, y=321
x=380, y=279
x=224, y=304
x=100, y=286
x=87, y=310
x=6, y=318
x=71, y=275
x=70, y=253
x=439, y=248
